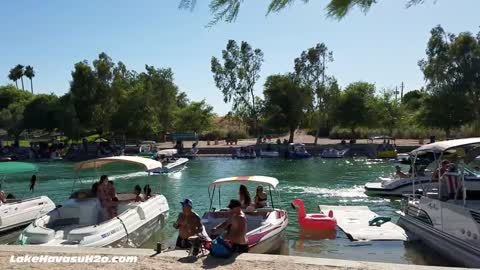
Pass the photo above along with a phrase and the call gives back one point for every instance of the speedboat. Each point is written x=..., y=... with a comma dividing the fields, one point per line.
x=269, y=152
x=265, y=226
x=297, y=151
x=17, y=213
x=81, y=221
x=446, y=219
x=423, y=162
x=244, y=153
x=147, y=149
x=333, y=153
x=170, y=161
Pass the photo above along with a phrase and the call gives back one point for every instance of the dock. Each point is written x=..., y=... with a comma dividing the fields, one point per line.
x=178, y=259
x=353, y=220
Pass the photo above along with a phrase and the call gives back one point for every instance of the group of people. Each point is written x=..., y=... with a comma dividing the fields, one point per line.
x=235, y=226
x=106, y=193
x=445, y=166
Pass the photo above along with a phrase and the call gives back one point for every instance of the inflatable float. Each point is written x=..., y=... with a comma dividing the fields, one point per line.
x=314, y=221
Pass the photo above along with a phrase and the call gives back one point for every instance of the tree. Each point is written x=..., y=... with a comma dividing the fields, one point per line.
x=228, y=10
x=310, y=70
x=446, y=109
x=30, y=73
x=12, y=106
x=355, y=108
x=452, y=67
x=195, y=117
x=19, y=74
x=286, y=102
x=236, y=78
x=13, y=76
x=388, y=111
x=40, y=112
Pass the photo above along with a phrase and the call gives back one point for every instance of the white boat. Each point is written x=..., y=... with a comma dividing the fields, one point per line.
x=297, y=151
x=265, y=226
x=17, y=213
x=269, y=154
x=333, y=153
x=424, y=161
x=80, y=221
x=244, y=153
x=444, y=219
x=170, y=161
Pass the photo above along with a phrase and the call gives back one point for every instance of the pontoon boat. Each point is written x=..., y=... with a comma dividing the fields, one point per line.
x=81, y=221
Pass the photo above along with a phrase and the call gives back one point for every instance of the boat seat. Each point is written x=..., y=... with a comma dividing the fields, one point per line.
x=63, y=222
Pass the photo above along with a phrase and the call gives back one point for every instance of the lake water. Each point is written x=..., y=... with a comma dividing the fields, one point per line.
x=316, y=181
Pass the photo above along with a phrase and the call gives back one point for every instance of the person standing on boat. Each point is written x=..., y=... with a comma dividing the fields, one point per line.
x=244, y=196
x=188, y=224
x=236, y=227
x=104, y=197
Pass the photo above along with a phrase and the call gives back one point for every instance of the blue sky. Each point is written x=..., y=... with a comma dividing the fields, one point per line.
x=382, y=46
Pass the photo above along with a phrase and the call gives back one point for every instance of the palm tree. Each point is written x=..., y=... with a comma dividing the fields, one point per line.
x=30, y=73
x=12, y=76
x=19, y=73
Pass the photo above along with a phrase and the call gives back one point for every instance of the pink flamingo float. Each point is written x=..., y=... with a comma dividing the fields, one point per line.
x=314, y=221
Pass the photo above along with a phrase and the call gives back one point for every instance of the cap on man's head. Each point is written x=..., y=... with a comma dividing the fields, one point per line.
x=234, y=203
x=187, y=202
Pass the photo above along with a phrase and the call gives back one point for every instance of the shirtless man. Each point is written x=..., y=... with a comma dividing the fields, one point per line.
x=188, y=224
x=236, y=227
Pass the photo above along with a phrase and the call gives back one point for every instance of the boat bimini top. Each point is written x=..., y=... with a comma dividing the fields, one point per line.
x=266, y=180
x=271, y=182
x=148, y=164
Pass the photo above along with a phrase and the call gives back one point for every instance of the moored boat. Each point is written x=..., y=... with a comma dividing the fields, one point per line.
x=421, y=175
x=297, y=151
x=81, y=220
x=333, y=153
x=265, y=226
x=443, y=218
x=19, y=212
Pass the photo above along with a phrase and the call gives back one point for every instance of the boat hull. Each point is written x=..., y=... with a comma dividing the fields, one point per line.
x=459, y=251
x=405, y=186
x=20, y=213
x=131, y=228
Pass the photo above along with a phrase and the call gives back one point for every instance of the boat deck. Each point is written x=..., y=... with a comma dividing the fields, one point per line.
x=353, y=220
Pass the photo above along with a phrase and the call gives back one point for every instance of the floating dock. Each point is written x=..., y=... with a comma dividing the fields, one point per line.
x=354, y=221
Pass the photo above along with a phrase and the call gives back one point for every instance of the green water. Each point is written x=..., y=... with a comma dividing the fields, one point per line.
x=315, y=181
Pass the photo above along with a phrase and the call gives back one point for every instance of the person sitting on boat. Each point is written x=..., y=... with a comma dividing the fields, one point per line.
x=147, y=191
x=3, y=198
x=139, y=197
x=445, y=165
x=244, y=196
x=236, y=227
x=105, y=198
x=399, y=173
x=188, y=224
x=260, y=198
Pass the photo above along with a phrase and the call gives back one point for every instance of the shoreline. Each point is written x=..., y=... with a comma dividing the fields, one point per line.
x=178, y=259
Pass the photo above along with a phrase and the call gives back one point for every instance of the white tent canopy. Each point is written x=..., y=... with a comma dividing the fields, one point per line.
x=439, y=147
x=266, y=180
x=148, y=164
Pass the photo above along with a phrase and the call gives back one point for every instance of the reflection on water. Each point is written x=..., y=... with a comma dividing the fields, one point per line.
x=316, y=181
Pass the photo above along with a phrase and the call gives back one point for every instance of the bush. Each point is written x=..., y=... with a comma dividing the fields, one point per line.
x=236, y=134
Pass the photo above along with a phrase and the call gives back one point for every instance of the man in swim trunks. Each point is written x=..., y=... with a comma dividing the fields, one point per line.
x=236, y=227
x=188, y=224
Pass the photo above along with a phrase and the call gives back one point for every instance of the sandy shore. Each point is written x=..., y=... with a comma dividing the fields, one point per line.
x=179, y=260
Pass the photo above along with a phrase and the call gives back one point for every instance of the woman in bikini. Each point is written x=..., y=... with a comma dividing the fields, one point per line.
x=260, y=198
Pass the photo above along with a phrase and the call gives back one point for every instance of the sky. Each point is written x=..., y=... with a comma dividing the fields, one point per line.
x=382, y=46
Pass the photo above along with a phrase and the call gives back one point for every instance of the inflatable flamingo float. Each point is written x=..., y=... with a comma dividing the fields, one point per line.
x=314, y=221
